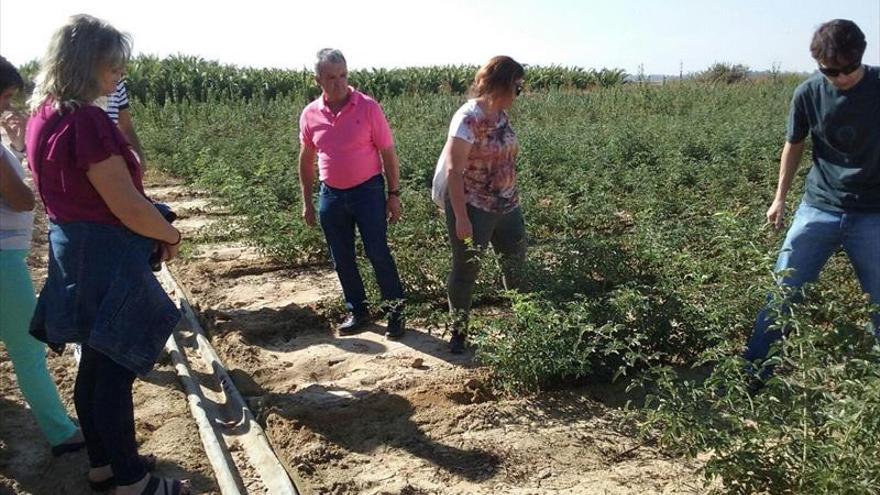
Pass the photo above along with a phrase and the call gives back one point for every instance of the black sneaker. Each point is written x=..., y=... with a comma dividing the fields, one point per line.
x=396, y=327
x=354, y=323
x=456, y=343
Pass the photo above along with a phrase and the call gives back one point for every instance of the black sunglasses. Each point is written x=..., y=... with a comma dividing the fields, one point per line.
x=519, y=89
x=849, y=69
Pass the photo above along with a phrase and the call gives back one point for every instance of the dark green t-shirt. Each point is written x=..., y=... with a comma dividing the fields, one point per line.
x=845, y=129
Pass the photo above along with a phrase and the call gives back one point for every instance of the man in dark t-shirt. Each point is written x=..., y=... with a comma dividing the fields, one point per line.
x=839, y=108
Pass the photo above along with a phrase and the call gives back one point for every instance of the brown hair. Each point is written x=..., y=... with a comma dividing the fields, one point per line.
x=839, y=42
x=496, y=76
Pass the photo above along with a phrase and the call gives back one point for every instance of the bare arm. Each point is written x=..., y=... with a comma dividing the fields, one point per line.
x=788, y=165
x=113, y=182
x=456, y=162
x=306, y=181
x=126, y=126
x=391, y=165
x=13, y=190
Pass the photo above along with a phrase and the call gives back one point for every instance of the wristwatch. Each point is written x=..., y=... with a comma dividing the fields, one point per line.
x=395, y=192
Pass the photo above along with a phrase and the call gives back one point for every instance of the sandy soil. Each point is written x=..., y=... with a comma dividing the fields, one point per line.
x=364, y=415
x=352, y=415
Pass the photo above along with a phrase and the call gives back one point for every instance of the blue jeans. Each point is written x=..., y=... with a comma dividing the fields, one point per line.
x=814, y=236
x=339, y=211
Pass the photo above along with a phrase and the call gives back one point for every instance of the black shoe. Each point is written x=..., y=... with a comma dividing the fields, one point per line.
x=395, y=328
x=64, y=448
x=456, y=343
x=354, y=323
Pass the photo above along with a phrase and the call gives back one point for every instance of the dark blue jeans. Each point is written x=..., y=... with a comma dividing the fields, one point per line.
x=340, y=210
x=102, y=396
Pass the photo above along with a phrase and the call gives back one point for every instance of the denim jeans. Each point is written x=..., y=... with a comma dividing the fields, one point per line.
x=507, y=234
x=100, y=291
x=339, y=211
x=814, y=236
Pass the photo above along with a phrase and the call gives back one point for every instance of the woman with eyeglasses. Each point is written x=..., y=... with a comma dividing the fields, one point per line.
x=481, y=198
x=103, y=232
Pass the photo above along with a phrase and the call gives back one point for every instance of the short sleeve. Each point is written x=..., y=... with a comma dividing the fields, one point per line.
x=95, y=137
x=121, y=96
x=798, y=126
x=462, y=125
x=381, y=131
x=305, y=133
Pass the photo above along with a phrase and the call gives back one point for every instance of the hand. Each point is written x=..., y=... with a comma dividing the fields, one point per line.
x=463, y=228
x=776, y=214
x=170, y=251
x=15, y=125
x=309, y=214
x=392, y=208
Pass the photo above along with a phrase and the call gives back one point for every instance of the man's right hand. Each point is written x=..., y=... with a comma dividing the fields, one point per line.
x=776, y=214
x=463, y=228
x=309, y=215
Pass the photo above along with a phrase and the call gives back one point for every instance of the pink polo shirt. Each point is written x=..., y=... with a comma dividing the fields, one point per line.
x=347, y=143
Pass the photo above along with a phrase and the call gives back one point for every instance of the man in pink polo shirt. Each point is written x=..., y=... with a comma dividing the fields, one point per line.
x=348, y=133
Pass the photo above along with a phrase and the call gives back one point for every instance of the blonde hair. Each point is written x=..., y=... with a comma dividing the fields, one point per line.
x=76, y=53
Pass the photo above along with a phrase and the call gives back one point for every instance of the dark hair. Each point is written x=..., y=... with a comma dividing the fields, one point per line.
x=497, y=76
x=9, y=76
x=838, y=42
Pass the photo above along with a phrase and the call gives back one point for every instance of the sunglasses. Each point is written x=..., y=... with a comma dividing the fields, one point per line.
x=519, y=89
x=849, y=69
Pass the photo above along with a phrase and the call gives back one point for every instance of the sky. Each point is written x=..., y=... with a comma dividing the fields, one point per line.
x=651, y=36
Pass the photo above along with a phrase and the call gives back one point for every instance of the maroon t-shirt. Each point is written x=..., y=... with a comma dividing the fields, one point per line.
x=63, y=145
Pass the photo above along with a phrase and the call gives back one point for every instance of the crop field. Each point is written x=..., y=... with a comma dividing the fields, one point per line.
x=648, y=253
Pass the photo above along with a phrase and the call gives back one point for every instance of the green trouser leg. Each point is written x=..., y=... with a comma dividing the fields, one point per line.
x=28, y=355
x=507, y=234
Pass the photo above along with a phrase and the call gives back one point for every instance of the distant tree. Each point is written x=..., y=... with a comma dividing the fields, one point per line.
x=726, y=73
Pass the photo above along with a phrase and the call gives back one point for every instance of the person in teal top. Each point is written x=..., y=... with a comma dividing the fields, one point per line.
x=839, y=110
x=17, y=300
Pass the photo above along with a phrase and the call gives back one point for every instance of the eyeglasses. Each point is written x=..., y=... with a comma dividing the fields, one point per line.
x=519, y=89
x=845, y=71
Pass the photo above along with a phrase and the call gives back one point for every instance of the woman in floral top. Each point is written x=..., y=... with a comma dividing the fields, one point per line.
x=482, y=202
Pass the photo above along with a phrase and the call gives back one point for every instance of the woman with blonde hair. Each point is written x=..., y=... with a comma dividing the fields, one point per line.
x=103, y=231
x=481, y=197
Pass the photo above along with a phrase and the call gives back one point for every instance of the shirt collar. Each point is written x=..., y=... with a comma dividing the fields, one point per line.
x=353, y=100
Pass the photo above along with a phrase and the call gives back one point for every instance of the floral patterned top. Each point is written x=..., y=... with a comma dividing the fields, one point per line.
x=490, y=173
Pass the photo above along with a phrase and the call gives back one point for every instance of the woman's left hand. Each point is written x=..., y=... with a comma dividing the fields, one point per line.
x=170, y=251
x=392, y=208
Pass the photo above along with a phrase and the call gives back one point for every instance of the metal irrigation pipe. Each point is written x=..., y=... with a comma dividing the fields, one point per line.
x=225, y=479
x=262, y=457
